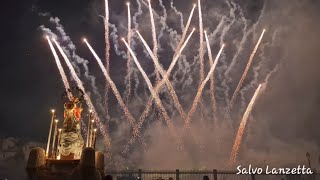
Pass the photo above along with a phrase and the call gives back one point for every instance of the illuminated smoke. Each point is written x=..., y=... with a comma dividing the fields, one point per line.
x=178, y=13
x=238, y=139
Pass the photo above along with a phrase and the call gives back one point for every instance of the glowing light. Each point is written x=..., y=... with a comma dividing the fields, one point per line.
x=58, y=157
x=84, y=39
x=238, y=139
x=52, y=110
x=60, y=130
x=95, y=130
x=47, y=37
x=56, y=121
x=128, y=3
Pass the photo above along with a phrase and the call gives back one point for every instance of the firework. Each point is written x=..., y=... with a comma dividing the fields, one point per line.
x=62, y=73
x=115, y=91
x=74, y=75
x=157, y=99
x=199, y=93
x=107, y=66
x=154, y=39
x=184, y=34
x=243, y=77
x=238, y=139
x=212, y=93
x=129, y=58
x=157, y=88
x=201, y=50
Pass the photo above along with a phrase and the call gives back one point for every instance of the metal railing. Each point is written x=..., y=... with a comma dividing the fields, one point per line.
x=198, y=175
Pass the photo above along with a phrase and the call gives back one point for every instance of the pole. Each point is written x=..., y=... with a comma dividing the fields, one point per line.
x=88, y=130
x=54, y=138
x=59, y=138
x=49, y=136
x=94, y=138
x=91, y=133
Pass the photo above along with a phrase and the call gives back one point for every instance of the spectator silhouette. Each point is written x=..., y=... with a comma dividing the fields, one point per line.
x=107, y=177
x=205, y=178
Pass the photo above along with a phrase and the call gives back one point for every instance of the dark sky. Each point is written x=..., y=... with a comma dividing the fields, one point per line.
x=30, y=83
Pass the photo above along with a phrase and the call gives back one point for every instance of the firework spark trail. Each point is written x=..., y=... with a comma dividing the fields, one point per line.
x=70, y=50
x=62, y=73
x=154, y=39
x=212, y=92
x=86, y=97
x=107, y=66
x=238, y=139
x=157, y=89
x=128, y=87
x=242, y=42
x=263, y=59
x=167, y=82
x=184, y=34
x=115, y=91
x=157, y=100
x=201, y=49
x=161, y=71
x=64, y=77
x=230, y=105
x=178, y=13
x=199, y=93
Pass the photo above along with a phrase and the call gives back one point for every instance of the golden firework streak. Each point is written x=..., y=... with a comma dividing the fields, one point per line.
x=243, y=77
x=242, y=126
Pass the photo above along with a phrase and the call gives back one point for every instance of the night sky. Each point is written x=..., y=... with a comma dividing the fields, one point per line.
x=31, y=84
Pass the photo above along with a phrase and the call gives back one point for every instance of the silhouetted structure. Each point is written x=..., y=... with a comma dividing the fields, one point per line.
x=40, y=168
